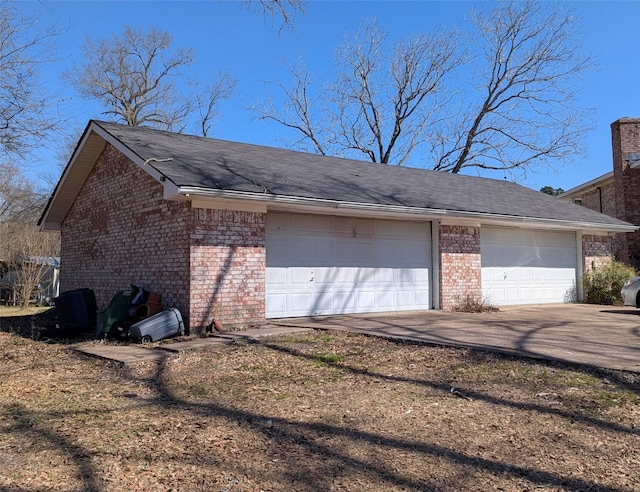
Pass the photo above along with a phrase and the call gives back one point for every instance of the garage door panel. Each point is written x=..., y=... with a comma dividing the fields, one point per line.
x=279, y=246
x=299, y=302
x=404, y=298
x=299, y=275
x=319, y=252
x=345, y=301
x=301, y=224
x=346, y=275
x=322, y=275
x=366, y=276
x=537, y=294
x=421, y=276
x=385, y=276
x=345, y=265
x=278, y=303
x=277, y=222
x=320, y=225
x=524, y=274
x=527, y=266
x=422, y=297
x=365, y=227
x=366, y=252
x=511, y=294
x=385, y=300
x=277, y=276
x=323, y=302
x=366, y=301
x=404, y=276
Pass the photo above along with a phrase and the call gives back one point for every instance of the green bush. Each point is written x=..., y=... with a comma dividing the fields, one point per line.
x=603, y=285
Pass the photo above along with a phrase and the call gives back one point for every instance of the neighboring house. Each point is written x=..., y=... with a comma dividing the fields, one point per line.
x=12, y=275
x=617, y=193
x=243, y=233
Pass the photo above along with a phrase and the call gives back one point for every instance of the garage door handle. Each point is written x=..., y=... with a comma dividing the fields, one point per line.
x=312, y=277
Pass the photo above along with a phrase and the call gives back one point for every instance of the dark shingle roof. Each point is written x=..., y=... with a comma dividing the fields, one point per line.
x=223, y=165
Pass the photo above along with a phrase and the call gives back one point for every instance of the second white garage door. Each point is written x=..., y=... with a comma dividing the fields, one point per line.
x=319, y=265
x=521, y=266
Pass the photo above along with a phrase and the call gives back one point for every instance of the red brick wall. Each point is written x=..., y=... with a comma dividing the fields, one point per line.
x=625, y=139
x=228, y=265
x=121, y=231
x=460, y=266
x=596, y=251
x=601, y=200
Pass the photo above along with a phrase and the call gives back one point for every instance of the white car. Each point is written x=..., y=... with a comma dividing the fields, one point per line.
x=630, y=292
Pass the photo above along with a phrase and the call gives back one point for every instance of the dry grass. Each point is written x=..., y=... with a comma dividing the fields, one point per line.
x=311, y=412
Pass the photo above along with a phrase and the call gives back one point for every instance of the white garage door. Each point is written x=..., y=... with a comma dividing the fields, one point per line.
x=522, y=266
x=337, y=265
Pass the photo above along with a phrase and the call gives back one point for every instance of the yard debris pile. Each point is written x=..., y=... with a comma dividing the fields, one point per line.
x=133, y=313
x=137, y=313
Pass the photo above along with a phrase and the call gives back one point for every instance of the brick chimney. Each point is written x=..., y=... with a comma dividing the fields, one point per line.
x=625, y=139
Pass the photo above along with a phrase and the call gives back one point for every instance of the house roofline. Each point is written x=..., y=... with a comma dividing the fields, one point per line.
x=301, y=204
x=594, y=183
x=92, y=143
x=95, y=138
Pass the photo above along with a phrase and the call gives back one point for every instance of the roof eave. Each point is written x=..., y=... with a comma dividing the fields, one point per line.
x=589, y=185
x=275, y=202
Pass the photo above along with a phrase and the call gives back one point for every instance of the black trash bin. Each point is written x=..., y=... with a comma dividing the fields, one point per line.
x=76, y=310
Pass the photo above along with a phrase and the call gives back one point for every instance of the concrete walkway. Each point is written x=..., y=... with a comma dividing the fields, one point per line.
x=602, y=336
x=136, y=353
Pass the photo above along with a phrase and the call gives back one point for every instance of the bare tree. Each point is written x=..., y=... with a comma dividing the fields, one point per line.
x=32, y=257
x=525, y=109
x=207, y=99
x=25, y=116
x=507, y=101
x=283, y=9
x=380, y=104
x=301, y=112
x=134, y=76
x=24, y=250
x=20, y=200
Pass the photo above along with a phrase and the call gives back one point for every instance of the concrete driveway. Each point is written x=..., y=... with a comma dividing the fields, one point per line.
x=602, y=336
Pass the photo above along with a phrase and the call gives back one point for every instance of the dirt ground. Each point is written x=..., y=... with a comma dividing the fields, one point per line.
x=318, y=411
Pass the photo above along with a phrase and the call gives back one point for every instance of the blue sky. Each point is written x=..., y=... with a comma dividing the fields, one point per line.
x=228, y=36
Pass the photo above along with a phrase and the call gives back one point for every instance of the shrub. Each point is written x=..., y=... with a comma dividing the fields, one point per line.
x=603, y=285
x=472, y=304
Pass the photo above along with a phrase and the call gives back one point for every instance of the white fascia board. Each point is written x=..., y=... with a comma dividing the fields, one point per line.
x=71, y=181
x=301, y=204
x=130, y=154
x=78, y=169
x=594, y=183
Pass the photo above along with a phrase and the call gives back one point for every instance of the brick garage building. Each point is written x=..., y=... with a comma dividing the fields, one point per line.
x=243, y=233
x=617, y=193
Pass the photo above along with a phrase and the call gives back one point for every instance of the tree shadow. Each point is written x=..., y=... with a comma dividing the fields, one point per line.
x=628, y=381
x=288, y=437
x=412, y=331
x=27, y=423
x=627, y=312
x=42, y=327
x=287, y=433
